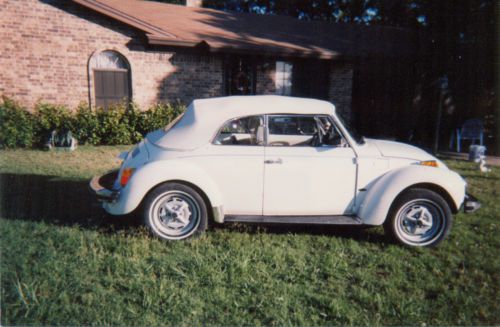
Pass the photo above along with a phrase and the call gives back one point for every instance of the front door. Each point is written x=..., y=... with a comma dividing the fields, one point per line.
x=310, y=78
x=309, y=168
x=239, y=76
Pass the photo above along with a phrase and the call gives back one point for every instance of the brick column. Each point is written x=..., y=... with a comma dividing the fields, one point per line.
x=340, y=89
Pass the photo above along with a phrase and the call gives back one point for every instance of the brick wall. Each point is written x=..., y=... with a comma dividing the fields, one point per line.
x=340, y=88
x=194, y=77
x=46, y=46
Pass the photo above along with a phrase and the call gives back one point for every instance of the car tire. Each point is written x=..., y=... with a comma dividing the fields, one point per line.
x=419, y=217
x=174, y=211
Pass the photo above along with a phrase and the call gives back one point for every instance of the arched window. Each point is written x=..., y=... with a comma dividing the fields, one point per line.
x=111, y=73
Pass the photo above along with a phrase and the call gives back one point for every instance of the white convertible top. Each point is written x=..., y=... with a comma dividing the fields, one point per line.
x=203, y=118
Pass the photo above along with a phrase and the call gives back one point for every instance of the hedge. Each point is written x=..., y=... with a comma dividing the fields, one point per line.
x=118, y=124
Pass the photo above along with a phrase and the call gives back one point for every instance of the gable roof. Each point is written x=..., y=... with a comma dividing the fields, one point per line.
x=220, y=31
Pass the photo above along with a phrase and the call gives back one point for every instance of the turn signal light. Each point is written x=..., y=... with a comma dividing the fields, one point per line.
x=429, y=163
x=126, y=174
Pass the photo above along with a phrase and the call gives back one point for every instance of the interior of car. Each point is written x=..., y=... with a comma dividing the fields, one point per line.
x=283, y=130
x=242, y=131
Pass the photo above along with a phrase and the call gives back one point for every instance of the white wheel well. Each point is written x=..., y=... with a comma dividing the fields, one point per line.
x=188, y=184
x=435, y=188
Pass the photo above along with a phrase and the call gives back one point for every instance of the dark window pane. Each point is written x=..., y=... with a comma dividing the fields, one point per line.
x=110, y=87
x=292, y=125
x=119, y=85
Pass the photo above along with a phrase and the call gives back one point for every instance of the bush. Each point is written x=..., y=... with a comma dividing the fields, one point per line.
x=49, y=117
x=86, y=125
x=16, y=125
x=118, y=124
x=159, y=116
x=135, y=118
x=114, y=125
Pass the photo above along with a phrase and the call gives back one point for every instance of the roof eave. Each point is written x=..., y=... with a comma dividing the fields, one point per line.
x=255, y=50
x=123, y=17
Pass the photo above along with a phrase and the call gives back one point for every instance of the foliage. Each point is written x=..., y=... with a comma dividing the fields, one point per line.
x=135, y=118
x=65, y=263
x=16, y=125
x=118, y=124
x=49, y=117
x=159, y=116
x=114, y=124
x=87, y=131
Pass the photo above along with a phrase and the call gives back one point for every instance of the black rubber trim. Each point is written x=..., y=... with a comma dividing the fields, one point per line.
x=101, y=186
x=471, y=203
x=312, y=220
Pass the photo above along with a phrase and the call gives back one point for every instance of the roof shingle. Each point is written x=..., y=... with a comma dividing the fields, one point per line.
x=220, y=31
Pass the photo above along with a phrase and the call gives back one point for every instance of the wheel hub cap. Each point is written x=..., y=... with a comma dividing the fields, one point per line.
x=175, y=213
x=417, y=221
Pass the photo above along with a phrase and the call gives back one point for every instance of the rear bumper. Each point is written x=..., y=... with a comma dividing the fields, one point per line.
x=102, y=187
x=471, y=204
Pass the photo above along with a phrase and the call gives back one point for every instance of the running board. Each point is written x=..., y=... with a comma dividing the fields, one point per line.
x=309, y=220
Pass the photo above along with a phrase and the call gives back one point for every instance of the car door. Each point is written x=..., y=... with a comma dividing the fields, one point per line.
x=309, y=168
x=235, y=162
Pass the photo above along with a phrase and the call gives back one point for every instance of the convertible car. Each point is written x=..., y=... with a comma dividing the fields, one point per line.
x=273, y=159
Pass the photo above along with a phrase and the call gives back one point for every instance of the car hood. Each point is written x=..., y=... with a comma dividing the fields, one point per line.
x=400, y=150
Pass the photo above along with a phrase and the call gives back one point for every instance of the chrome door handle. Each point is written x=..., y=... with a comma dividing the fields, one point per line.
x=274, y=161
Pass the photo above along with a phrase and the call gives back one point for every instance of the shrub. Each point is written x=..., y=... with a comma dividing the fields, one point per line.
x=86, y=125
x=135, y=118
x=16, y=125
x=159, y=116
x=118, y=124
x=113, y=125
x=49, y=117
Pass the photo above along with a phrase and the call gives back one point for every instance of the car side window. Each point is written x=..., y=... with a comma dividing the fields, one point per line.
x=242, y=131
x=291, y=130
x=329, y=135
x=302, y=130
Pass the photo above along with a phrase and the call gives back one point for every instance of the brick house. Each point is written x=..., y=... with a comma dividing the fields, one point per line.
x=102, y=51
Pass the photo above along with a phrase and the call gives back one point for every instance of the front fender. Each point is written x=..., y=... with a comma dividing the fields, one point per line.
x=380, y=196
x=154, y=173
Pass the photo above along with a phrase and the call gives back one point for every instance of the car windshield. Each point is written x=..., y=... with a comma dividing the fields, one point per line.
x=352, y=131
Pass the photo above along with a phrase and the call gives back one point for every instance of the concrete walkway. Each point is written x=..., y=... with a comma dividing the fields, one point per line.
x=490, y=160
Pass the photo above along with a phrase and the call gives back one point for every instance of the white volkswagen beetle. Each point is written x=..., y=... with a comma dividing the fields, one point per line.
x=275, y=159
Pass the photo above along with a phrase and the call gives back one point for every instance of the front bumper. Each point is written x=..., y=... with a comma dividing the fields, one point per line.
x=102, y=187
x=471, y=204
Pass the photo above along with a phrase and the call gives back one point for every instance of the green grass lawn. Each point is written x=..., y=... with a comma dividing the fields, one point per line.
x=65, y=262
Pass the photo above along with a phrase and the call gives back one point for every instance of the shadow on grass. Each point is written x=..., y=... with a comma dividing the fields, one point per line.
x=67, y=202
x=58, y=201
x=358, y=233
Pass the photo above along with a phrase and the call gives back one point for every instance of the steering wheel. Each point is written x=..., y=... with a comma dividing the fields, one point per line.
x=279, y=143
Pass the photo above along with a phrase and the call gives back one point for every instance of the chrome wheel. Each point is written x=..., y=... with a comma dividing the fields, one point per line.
x=174, y=215
x=420, y=222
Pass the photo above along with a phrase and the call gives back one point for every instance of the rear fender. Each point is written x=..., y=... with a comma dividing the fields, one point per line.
x=155, y=173
x=383, y=192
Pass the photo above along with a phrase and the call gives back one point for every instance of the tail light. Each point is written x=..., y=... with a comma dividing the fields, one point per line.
x=126, y=174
